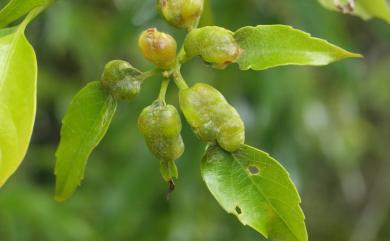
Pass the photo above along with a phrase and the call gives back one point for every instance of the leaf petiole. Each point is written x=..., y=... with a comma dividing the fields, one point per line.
x=147, y=74
x=163, y=89
x=179, y=81
x=182, y=57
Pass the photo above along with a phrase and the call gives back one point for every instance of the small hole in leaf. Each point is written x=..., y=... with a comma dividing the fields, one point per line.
x=238, y=210
x=253, y=170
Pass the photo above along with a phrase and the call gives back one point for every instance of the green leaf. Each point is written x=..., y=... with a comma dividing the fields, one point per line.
x=267, y=46
x=365, y=9
x=84, y=125
x=257, y=189
x=18, y=79
x=17, y=8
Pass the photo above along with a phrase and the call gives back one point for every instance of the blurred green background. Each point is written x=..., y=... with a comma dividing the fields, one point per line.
x=329, y=126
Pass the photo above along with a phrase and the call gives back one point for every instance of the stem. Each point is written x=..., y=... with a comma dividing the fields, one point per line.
x=33, y=13
x=149, y=73
x=179, y=81
x=194, y=25
x=163, y=90
x=177, y=77
x=182, y=57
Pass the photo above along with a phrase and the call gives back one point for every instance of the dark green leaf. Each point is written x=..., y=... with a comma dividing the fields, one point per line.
x=365, y=9
x=17, y=8
x=257, y=189
x=84, y=125
x=18, y=79
x=267, y=46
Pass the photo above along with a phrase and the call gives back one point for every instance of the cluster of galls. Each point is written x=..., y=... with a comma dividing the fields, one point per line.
x=211, y=117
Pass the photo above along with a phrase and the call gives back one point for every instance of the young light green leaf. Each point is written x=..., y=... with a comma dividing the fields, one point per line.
x=366, y=9
x=257, y=189
x=17, y=8
x=267, y=46
x=84, y=125
x=18, y=77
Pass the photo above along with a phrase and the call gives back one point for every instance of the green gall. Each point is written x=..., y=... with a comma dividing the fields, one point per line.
x=160, y=125
x=121, y=79
x=215, y=45
x=211, y=117
x=158, y=47
x=181, y=13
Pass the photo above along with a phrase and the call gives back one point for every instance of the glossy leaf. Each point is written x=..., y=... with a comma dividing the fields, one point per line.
x=257, y=189
x=365, y=9
x=17, y=8
x=18, y=79
x=84, y=125
x=267, y=46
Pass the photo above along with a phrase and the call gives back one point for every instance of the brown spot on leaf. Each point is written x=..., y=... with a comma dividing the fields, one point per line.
x=253, y=170
x=238, y=210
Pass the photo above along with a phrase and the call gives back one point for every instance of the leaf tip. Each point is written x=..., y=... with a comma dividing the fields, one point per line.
x=61, y=193
x=60, y=197
x=345, y=55
x=353, y=55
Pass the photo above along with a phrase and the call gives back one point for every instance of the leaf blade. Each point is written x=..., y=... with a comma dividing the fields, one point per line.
x=267, y=46
x=17, y=8
x=84, y=125
x=243, y=183
x=18, y=79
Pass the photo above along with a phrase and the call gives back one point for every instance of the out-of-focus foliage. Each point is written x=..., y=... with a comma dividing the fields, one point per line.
x=330, y=127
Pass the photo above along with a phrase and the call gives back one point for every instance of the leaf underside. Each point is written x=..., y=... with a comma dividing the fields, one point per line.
x=257, y=190
x=366, y=9
x=84, y=125
x=18, y=77
x=267, y=46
